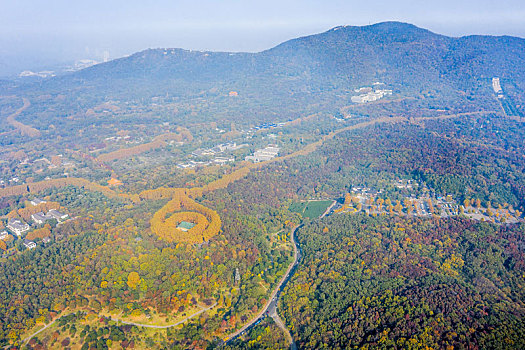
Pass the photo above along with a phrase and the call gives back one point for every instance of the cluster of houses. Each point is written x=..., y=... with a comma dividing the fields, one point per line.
x=210, y=152
x=426, y=204
x=216, y=160
x=18, y=227
x=223, y=147
x=118, y=138
x=41, y=218
x=406, y=184
x=269, y=126
x=264, y=154
x=4, y=183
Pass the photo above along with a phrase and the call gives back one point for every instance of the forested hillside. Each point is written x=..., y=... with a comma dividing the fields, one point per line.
x=303, y=73
x=408, y=284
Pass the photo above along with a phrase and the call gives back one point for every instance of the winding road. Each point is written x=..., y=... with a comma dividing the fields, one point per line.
x=272, y=312
x=271, y=304
x=270, y=308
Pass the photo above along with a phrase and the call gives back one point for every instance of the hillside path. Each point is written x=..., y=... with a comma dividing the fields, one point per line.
x=169, y=325
x=26, y=340
x=130, y=323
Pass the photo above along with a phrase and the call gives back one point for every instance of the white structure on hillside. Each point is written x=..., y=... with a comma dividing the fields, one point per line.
x=496, y=85
x=55, y=214
x=264, y=154
x=17, y=226
x=29, y=244
x=367, y=94
x=363, y=90
x=223, y=160
x=41, y=218
x=36, y=201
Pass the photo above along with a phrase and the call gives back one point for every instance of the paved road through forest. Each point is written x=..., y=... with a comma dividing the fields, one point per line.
x=275, y=294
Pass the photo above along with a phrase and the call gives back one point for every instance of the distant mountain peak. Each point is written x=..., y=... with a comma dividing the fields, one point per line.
x=387, y=25
x=391, y=28
x=398, y=53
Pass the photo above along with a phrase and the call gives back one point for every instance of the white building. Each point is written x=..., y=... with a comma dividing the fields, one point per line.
x=264, y=154
x=29, y=244
x=370, y=95
x=363, y=90
x=496, y=85
x=55, y=214
x=3, y=235
x=36, y=201
x=40, y=218
x=17, y=226
x=223, y=160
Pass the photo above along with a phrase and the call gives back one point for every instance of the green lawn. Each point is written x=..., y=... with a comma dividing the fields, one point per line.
x=311, y=209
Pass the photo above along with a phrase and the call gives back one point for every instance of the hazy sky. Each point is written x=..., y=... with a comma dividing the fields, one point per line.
x=53, y=30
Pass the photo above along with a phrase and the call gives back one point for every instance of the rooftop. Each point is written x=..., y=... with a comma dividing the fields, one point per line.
x=37, y=201
x=53, y=213
x=185, y=226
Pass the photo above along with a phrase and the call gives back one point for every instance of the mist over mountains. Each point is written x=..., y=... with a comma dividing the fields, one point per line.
x=403, y=55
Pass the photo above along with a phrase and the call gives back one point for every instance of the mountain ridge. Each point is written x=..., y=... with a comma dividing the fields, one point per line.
x=400, y=54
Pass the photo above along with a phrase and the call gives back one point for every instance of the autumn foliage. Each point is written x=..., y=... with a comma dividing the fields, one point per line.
x=182, y=208
x=133, y=280
x=158, y=142
x=39, y=233
x=35, y=187
x=25, y=213
x=223, y=182
x=24, y=129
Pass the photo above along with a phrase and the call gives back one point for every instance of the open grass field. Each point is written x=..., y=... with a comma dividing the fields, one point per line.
x=310, y=209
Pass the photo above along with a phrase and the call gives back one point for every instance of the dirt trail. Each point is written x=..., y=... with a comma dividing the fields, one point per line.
x=169, y=325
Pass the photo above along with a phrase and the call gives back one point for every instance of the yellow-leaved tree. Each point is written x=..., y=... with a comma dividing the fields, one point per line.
x=133, y=280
